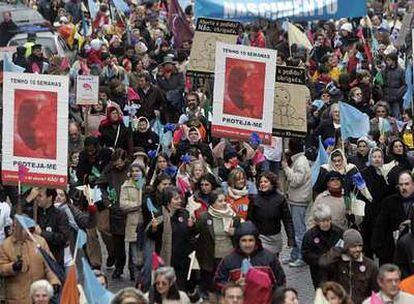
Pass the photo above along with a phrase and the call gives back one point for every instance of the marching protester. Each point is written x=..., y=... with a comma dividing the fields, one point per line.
x=107, y=105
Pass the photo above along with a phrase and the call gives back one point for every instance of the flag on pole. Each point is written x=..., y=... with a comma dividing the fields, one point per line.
x=25, y=221
x=321, y=159
x=296, y=36
x=178, y=24
x=354, y=123
x=408, y=96
x=93, y=8
x=95, y=293
x=53, y=265
x=81, y=239
x=9, y=66
x=121, y=6
x=70, y=293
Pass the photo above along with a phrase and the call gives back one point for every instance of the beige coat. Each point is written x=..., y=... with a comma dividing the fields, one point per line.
x=337, y=206
x=34, y=268
x=130, y=201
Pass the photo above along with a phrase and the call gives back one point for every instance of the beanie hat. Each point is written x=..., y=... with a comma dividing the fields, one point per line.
x=352, y=237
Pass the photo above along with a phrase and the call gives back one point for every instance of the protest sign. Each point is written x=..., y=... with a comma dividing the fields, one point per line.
x=251, y=10
x=87, y=89
x=35, y=129
x=289, y=116
x=203, y=49
x=243, y=92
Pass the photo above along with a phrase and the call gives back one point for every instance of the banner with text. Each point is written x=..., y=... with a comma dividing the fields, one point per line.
x=87, y=89
x=243, y=92
x=289, y=111
x=35, y=129
x=251, y=10
x=203, y=49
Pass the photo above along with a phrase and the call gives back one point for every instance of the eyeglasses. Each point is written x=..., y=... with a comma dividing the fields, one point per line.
x=162, y=283
x=358, y=94
x=191, y=100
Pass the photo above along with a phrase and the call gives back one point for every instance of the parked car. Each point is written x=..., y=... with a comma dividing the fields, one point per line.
x=51, y=41
x=23, y=16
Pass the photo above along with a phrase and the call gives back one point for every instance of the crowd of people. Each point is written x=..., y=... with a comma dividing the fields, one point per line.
x=161, y=190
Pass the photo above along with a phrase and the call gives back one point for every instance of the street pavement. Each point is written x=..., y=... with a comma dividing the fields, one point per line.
x=298, y=278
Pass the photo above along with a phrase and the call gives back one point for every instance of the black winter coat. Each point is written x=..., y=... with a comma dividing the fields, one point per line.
x=182, y=241
x=109, y=136
x=185, y=147
x=379, y=189
x=315, y=244
x=55, y=227
x=347, y=183
x=229, y=268
x=392, y=214
x=394, y=84
x=267, y=210
x=147, y=140
x=84, y=168
x=150, y=101
x=404, y=255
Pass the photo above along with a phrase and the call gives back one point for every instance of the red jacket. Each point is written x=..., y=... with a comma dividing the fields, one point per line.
x=259, y=41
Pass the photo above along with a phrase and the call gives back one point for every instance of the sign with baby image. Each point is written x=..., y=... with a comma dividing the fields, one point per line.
x=289, y=110
x=203, y=50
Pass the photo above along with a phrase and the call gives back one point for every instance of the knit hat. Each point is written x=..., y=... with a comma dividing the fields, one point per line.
x=352, y=237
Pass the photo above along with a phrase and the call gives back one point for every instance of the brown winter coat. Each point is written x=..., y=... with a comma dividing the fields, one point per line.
x=130, y=201
x=34, y=268
x=359, y=278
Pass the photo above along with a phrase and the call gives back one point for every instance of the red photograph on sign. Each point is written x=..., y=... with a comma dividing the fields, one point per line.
x=35, y=124
x=244, y=88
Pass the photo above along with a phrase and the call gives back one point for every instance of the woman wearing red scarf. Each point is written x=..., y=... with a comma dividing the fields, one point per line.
x=113, y=133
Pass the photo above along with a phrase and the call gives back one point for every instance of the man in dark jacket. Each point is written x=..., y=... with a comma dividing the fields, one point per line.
x=390, y=224
x=248, y=246
x=394, y=84
x=318, y=240
x=152, y=100
x=404, y=252
x=53, y=224
x=7, y=29
x=348, y=267
x=92, y=160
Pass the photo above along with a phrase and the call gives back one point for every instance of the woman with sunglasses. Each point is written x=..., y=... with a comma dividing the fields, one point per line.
x=165, y=289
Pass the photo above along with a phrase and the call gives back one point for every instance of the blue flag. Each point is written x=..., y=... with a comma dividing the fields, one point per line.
x=95, y=293
x=25, y=221
x=121, y=6
x=150, y=206
x=93, y=8
x=321, y=159
x=354, y=123
x=9, y=66
x=81, y=239
x=245, y=266
x=408, y=96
